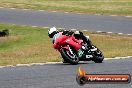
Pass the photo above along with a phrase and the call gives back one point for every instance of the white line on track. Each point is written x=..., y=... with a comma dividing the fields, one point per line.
x=128, y=16
x=98, y=31
x=80, y=13
x=2, y=66
x=23, y=65
x=18, y=65
x=12, y=8
x=109, y=32
x=84, y=30
x=1, y=7
x=53, y=62
x=34, y=26
x=129, y=56
x=37, y=64
x=54, y=11
x=41, y=10
x=73, y=29
x=25, y=9
x=129, y=34
x=10, y=66
x=46, y=27
x=120, y=33
x=113, y=15
x=66, y=12
x=98, y=14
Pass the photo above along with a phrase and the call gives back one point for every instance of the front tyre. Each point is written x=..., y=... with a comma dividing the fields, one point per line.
x=72, y=59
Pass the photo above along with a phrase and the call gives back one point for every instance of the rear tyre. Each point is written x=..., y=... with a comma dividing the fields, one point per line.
x=67, y=58
x=98, y=56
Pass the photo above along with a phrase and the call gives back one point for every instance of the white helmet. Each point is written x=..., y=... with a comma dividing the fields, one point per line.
x=52, y=31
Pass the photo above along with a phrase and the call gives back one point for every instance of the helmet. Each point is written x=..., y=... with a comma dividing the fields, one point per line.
x=52, y=31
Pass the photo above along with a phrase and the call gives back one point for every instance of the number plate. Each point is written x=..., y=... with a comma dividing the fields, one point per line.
x=89, y=56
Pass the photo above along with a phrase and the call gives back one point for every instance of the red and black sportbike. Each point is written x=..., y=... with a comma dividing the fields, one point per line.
x=74, y=50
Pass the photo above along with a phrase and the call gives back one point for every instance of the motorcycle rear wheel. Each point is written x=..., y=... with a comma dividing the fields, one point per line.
x=98, y=56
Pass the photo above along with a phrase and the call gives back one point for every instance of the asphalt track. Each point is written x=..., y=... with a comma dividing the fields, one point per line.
x=117, y=24
x=62, y=75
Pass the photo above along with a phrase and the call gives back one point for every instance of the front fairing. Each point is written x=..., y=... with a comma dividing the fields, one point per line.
x=59, y=40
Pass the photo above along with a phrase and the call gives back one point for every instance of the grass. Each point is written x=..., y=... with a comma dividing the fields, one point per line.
x=32, y=45
x=118, y=7
x=26, y=45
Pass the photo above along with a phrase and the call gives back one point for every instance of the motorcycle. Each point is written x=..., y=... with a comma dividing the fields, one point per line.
x=68, y=47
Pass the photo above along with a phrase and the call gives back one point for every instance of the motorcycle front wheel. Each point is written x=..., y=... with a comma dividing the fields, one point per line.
x=68, y=57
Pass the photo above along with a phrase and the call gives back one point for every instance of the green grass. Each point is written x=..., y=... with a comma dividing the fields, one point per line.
x=119, y=7
x=26, y=45
x=32, y=45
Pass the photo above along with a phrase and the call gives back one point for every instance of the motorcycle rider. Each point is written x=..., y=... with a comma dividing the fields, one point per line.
x=53, y=32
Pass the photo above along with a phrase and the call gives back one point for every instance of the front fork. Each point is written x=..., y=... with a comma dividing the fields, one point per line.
x=70, y=50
